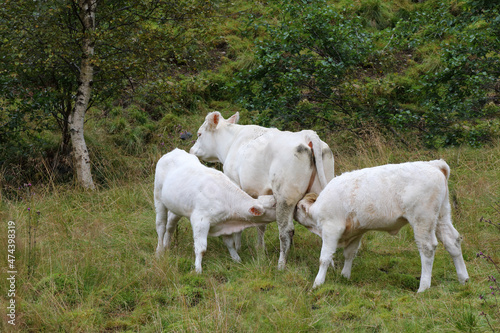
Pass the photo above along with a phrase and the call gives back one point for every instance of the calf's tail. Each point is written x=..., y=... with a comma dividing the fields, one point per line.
x=443, y=167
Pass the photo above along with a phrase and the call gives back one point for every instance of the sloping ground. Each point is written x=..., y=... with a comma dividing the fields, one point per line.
x=91, y=264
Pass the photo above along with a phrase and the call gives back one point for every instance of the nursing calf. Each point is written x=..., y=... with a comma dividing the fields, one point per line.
x=212, y=202
x=384, y=198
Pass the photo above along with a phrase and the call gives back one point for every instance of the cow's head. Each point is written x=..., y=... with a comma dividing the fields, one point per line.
x=302, y=213
x=209, y=139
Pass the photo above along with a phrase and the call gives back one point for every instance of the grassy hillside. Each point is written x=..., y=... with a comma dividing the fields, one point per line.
x=420, y=73
x=85, y=260
x=92, y=267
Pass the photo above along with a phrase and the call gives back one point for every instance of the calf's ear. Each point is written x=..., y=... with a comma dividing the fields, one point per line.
x=303, y=206
x=213, y=120
x=234, y=118
x=256, y=211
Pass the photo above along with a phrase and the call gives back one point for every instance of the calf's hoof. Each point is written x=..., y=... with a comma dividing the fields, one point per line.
x=236, y=259
x=316, y=284
x=159, y=254
x=463, y=280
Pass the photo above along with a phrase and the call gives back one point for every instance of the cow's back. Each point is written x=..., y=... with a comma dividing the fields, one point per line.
x=260, y=154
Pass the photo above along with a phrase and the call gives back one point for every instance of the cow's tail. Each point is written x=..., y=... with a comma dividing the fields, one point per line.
x=317, y=150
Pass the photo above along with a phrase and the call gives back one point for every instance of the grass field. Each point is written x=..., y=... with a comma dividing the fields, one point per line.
x=84, y=261
x=90, y=264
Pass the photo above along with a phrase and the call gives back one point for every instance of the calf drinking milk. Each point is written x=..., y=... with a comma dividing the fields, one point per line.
x=212, y=202
x=384, y=198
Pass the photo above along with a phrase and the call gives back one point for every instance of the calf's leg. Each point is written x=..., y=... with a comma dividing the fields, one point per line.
x=260, y=237
x=237, y=240
x=330, y=237
x=172, y=221
x=349, y=254
x=161, y=222
x=200, y=226
x=451, y=240
x=425, y=237
x=231, y=246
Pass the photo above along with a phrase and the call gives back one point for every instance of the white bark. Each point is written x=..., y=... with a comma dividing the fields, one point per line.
x=77, y=116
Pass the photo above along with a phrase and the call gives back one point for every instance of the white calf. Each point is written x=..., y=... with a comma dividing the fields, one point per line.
x=384, y=198
x=267, y=161
x=212, y=202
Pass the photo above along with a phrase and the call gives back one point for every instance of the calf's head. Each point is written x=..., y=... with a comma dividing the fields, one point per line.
x=211, y=135
x=302, y=213
x=268, y=203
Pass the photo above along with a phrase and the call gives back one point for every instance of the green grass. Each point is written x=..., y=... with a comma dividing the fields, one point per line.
x=92, y=268
x=95, y=268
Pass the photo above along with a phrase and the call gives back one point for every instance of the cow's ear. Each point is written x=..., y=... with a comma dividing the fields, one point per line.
x=256, y=211
x=234, y=118
x=213, y=119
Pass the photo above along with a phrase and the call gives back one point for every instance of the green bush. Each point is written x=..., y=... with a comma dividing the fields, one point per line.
x=455, y=99
x=430, y=70
x=303, y=60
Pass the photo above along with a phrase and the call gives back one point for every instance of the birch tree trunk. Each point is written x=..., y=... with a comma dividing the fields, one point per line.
x=81, y=157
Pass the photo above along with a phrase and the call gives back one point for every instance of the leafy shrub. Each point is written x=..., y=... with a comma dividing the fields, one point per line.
x=455, y=100
x=375, y=13
x=130, y=128
x=300, y=66
x=430, y=69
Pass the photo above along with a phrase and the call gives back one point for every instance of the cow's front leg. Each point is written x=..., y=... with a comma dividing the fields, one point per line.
x=284, y=218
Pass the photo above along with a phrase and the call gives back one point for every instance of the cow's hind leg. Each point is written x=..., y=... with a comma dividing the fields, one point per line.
x=451, y=240
x=284, y=218
x=288, y=188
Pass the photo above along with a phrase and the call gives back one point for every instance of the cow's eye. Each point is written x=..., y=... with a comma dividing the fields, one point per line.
x=199, y=134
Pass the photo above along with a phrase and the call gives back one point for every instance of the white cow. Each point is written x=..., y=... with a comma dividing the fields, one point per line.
x=384, y=198
x=212, y=202
x=267, y=161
